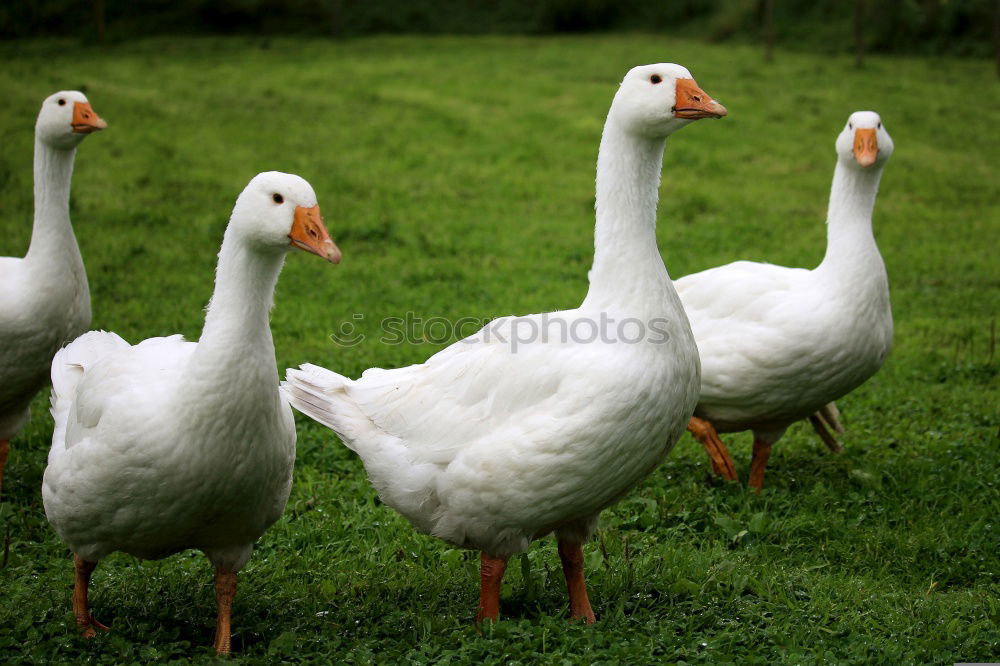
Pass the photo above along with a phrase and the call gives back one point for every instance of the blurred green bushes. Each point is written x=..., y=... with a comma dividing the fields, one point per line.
x=954, y=27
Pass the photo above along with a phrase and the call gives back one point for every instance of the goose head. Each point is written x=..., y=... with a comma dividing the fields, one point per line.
x=277, y=212
x=66, y=118
x=864, y=142
x=657, y=100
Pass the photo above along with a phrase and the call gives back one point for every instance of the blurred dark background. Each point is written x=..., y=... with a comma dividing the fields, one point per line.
x=950, y=27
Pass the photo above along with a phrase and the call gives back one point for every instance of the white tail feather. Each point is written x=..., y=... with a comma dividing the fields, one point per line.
x=402, y=483
x=311, y=390
x=68, y=367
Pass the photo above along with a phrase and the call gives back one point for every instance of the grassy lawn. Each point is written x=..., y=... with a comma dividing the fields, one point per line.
x=457, y=176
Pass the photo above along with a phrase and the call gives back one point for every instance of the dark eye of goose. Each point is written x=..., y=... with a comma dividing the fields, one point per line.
x=655, y=78
x=62, y=102
x=850, y=125
x=278, y=199
x=880, y=125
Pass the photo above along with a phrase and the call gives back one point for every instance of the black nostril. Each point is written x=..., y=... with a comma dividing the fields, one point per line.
x=696, y=98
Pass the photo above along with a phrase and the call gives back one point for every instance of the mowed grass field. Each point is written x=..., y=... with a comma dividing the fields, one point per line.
x=456, y=174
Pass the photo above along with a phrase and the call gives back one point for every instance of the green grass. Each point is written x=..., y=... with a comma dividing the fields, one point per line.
x=457, y=176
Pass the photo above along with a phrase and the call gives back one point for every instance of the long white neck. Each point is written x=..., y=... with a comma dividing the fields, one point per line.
x=850, y=246
x=52, y=239
x=236, y=339
x=628, y=272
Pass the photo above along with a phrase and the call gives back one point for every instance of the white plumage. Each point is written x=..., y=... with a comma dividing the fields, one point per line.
x=525, y=427
x=150, y=457
x=778, y=344
x=486, y=448
x=168, y=445
x=44, y=299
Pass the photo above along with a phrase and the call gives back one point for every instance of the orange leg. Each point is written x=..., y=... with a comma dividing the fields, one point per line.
x=225, y=592
x=722, y=462
x=84, y=620
x=761, y=452
x=490, y=577
x=571, y=555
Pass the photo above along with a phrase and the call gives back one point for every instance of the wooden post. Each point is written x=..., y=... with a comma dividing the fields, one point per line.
x=99, y=15
x=859, y=33
x=996, y=32
x=768, y=30
x=335, y=13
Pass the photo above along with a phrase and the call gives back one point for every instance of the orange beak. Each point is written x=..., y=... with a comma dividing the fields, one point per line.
x=692, y=103
x=865, y=147
x=85, y=119
x=308, y=233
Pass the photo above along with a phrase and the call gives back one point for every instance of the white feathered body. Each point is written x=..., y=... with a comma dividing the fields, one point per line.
x=490, y=444
x=39, y=312
x=44, y=297
x=779, y=343
x=149, y=459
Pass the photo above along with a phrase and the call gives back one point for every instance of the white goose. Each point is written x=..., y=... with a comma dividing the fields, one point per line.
x=532, y=425
x=44, y=300
x=777, y=344
x=169, y=445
